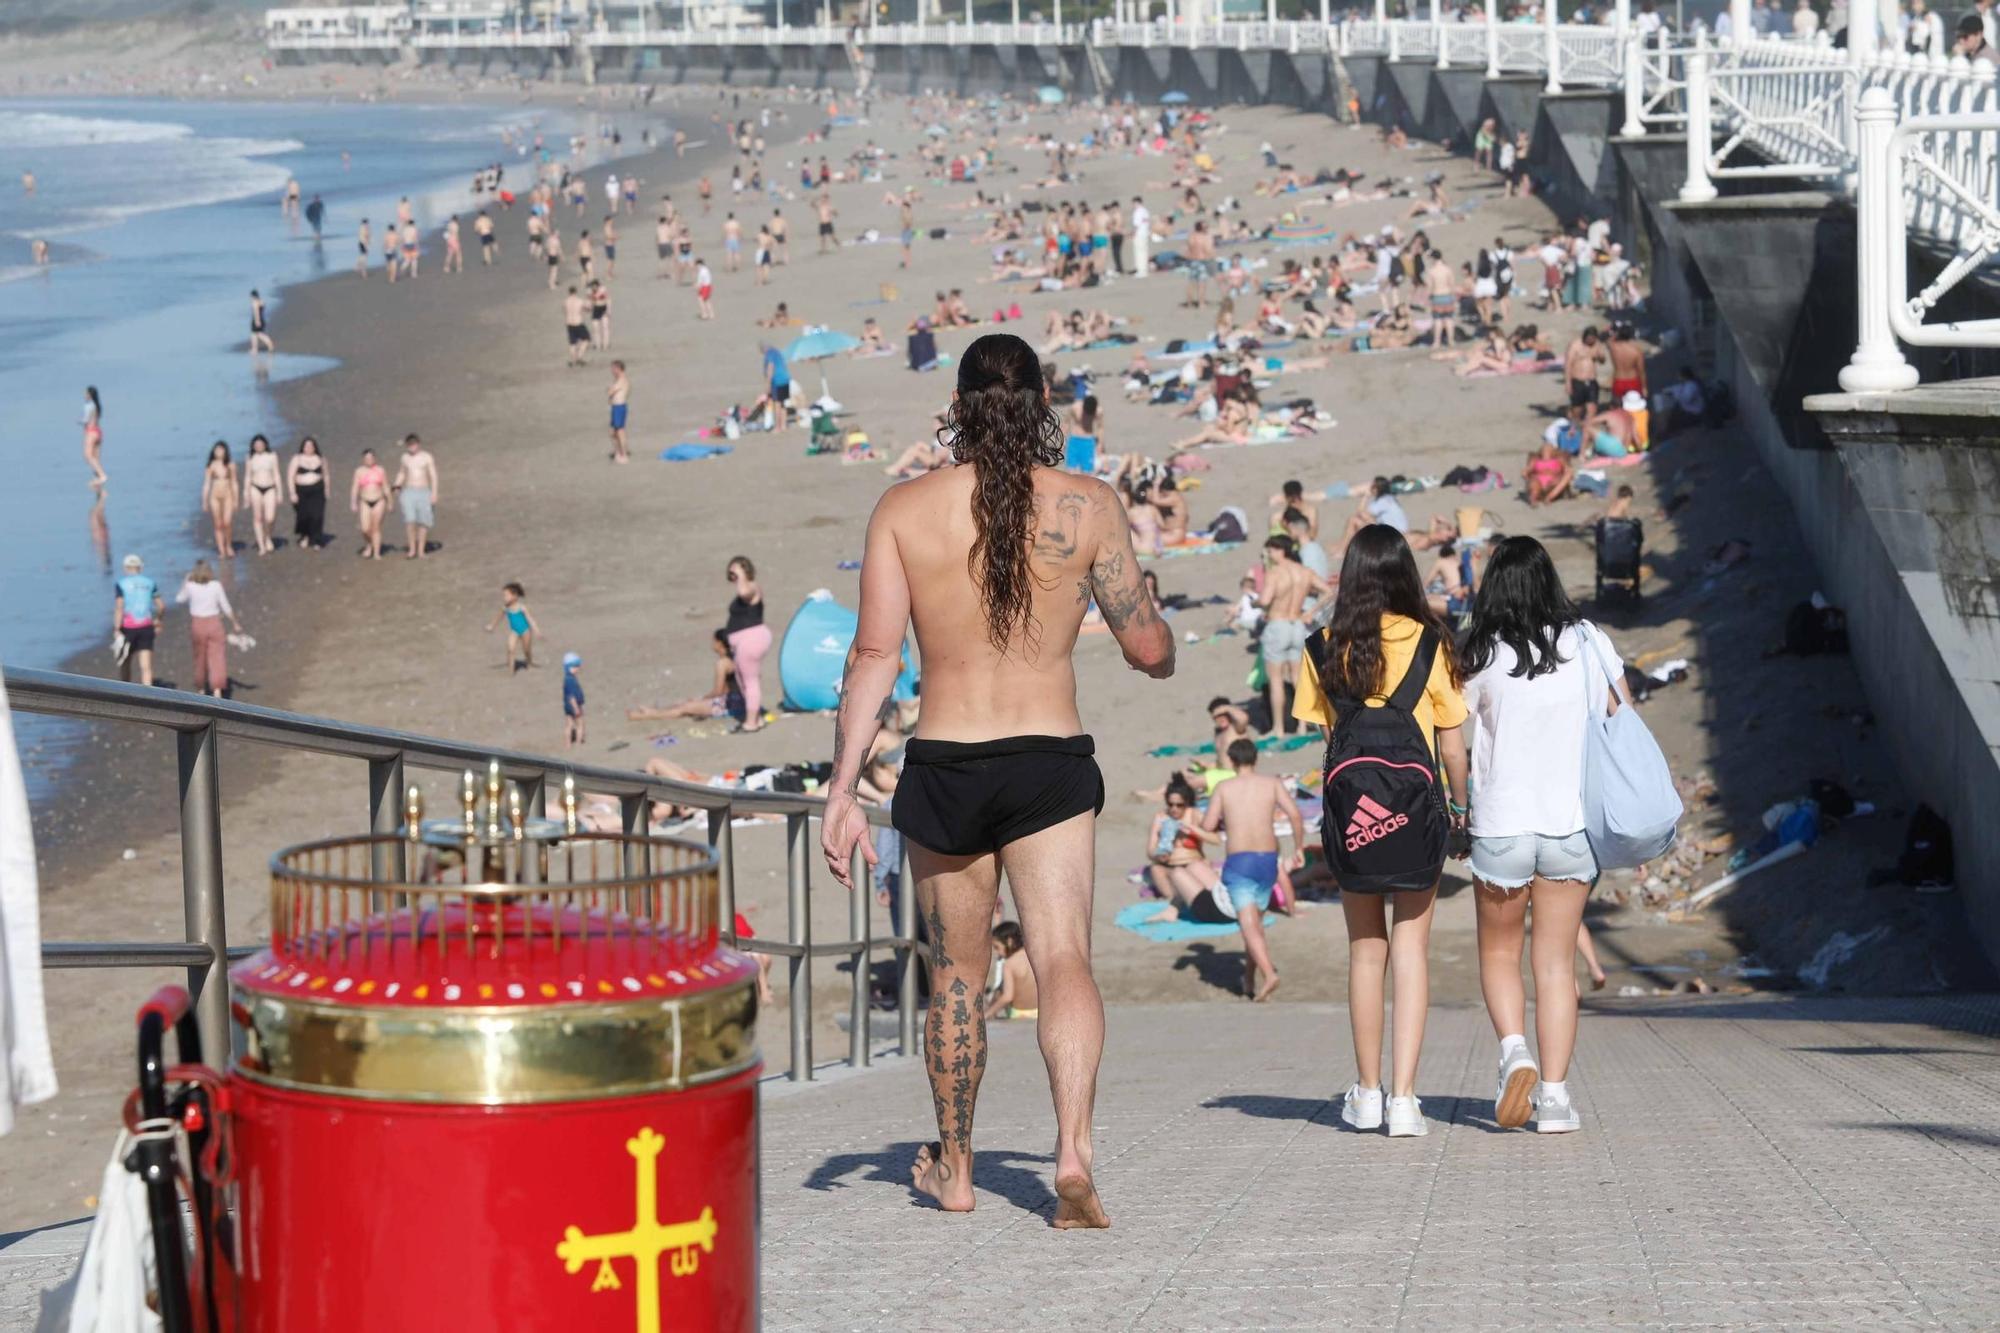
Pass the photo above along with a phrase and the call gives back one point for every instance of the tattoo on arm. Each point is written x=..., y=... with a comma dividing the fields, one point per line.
x=1121, y=595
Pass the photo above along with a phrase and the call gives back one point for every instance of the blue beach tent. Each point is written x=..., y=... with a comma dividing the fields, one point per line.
x=813, y=654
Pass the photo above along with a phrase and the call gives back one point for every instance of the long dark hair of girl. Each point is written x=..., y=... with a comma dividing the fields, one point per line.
x=90, y=392
x=1002, y=425
x=1378, y=577
x=1521, y=603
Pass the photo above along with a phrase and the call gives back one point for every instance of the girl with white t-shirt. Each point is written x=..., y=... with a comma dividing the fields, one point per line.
x=1535, y=672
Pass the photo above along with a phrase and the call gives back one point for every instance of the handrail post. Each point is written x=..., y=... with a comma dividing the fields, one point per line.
x=860, y=912
x=385, y=816
x=1552, y=46
x=1698, y=188
x=798, y=913
x=1492, y=39
x=1877, y=365
x=1635, y=87
x=1437, y=34
x=722, y=840
x=201, y=882
x=906, y=956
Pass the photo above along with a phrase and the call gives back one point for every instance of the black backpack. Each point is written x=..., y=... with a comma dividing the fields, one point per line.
x=1927, y=854
x=1383, y=823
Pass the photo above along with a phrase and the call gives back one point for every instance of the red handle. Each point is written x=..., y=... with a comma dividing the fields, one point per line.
x=170, y=1002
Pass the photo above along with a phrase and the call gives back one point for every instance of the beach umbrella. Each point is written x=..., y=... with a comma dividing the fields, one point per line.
x=1048, y=94
x=821, y=343
x=1174, y=98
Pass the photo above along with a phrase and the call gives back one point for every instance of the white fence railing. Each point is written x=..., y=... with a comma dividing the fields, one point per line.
x=488, y=41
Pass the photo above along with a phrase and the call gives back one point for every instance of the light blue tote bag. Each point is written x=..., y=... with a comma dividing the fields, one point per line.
x=1630, y=807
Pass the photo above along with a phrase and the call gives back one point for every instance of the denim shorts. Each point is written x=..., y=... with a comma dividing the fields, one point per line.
x=1509, y=863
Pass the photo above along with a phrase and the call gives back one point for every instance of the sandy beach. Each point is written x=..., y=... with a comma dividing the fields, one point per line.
x=625, y=566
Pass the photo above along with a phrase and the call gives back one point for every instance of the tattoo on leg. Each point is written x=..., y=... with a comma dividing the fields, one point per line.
x=934, y=926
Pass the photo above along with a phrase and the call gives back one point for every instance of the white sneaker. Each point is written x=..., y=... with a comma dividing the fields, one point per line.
x=1362, y=1107
x=1514, y=1096
x=1406, y=1118
x=1556, y=1115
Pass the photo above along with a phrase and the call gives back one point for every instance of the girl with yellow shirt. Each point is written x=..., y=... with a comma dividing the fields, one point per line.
x=1379, y=623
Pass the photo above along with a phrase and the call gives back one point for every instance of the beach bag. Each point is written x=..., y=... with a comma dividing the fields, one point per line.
x=1384, y=825
x=1631, y=809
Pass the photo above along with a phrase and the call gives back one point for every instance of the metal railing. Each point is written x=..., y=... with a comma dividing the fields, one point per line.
x=200, y=724
x=1789, y=105
x=1938, y=175
x=1655, y=84
x=486, y=41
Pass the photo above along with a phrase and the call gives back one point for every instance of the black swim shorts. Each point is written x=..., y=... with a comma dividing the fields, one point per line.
x=579, y=333
x=968, y=798
x=1583, y=393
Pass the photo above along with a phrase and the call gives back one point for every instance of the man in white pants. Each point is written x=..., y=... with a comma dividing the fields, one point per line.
x=1142, y=237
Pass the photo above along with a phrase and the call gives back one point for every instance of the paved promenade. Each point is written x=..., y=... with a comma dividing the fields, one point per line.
x=1760, y=1163
x=1810, y=1163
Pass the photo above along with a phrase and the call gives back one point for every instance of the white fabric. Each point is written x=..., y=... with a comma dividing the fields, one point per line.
x=1527, y=741
x=27, y=1071
x=109, y=1290
x=204, y=599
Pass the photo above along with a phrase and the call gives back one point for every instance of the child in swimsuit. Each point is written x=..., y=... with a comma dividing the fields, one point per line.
x=521, y=626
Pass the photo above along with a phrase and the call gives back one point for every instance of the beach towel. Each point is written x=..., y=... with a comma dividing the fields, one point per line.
x=688, y=453
x=1133, y=918
x=1267, y=744
x=1194, y=546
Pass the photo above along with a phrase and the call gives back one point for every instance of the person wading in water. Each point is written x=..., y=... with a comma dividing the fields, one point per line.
x=995, y=561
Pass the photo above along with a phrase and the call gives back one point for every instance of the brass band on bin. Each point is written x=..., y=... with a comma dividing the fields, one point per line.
x=495, y=1055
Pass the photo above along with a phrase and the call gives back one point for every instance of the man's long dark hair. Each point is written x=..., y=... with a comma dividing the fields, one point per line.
x=1001, y=424
x=1521, y=603
x=1378, y=577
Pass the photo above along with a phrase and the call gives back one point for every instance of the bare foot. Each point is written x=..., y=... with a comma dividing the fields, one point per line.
x=1270, y=984
x=932, y=1177
x=1077, y=1206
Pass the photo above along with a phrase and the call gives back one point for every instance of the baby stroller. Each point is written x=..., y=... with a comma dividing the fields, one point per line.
x=1620, y=543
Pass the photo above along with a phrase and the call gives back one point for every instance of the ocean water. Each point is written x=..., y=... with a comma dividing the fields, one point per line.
x=161, y=217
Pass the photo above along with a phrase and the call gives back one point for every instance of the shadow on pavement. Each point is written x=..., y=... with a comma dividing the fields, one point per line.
x=1978, y=1138
x=993, y=1171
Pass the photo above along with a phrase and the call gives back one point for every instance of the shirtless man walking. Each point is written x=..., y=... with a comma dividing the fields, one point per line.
x=826, y=212
x=995, y=561
x=1282, y=641
x=1581, y=360
x=416, y=489
x=620, y=396
x=1628, y=363
x=1247, y=805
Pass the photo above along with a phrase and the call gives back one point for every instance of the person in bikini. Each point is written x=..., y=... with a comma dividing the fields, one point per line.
x=261, y=479
x=260, y=333
x=994, y=560
x=368, y=496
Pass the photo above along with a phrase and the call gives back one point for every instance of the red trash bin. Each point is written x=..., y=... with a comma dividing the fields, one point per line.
x=516, y=1089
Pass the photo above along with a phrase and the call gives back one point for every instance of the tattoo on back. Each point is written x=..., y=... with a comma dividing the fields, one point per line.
x=1058, y=528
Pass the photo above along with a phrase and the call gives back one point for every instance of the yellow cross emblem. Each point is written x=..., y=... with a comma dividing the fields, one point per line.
x=647, y=1239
